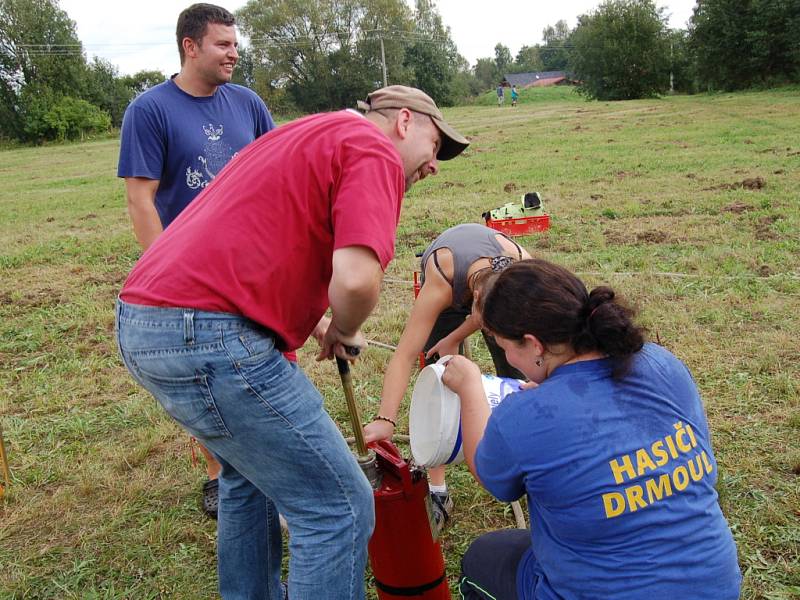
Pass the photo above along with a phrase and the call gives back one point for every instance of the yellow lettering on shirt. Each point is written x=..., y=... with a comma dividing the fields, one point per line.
x=680, y=478
x=696, y=475
x=643, y=462
x=658, y=488
x=646, y=492
x=614, y=504
x=707, y=463
x=619, y=471
x=635, y=495
x=658, y=451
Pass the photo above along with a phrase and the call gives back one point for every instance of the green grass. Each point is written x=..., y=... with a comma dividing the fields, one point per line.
x=533, y=95
x=646, y=196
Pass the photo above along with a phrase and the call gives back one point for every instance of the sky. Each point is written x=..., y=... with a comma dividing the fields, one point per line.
x=140, y=35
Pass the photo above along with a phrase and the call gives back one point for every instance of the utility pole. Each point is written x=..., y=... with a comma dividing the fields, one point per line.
x=383, y=62
x=671, y=80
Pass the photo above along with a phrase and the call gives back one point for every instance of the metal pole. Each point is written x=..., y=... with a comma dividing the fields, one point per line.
x=4, y=462
x=383, y=62
x=671, y=79
x=352, y=407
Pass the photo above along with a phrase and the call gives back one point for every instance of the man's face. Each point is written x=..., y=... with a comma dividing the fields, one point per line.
x=419, y=149
x=216, y=54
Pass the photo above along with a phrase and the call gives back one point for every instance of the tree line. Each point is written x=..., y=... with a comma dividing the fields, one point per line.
x=311, y=56
x=624, y=49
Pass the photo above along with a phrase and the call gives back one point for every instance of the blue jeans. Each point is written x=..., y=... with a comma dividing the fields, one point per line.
x=222, y=379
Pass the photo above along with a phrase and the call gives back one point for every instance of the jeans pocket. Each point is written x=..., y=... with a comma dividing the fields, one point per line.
x=250, y=347
x=188, y=400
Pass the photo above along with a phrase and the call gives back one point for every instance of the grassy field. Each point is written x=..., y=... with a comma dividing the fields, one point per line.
x=686, y=205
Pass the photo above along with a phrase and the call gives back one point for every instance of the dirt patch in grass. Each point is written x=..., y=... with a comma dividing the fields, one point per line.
x=652, y=237
x=738, y=208
x=114, y=278
x=450, y=184
x=763, y=228
x=617, y=238
x=751, y=183
x=416, y=240
x=765, y=271
x=510, y=187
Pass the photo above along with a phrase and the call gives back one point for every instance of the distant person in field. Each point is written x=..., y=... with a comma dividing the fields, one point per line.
x=612, y=450
x=302, y=220
x=453, y=268
x=177, y=136
x=514, y=95
x=500, y=94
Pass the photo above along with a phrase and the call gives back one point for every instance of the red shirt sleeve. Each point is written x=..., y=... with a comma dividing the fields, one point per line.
x=365, y=208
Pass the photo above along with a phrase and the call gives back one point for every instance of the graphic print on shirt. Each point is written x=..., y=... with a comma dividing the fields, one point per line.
x=673, y=447
x=216, y=154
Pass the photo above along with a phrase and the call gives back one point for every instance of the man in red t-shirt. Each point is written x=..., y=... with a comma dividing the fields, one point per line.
x=302, y=219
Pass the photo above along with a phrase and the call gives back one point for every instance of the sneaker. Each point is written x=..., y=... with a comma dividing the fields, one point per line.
x=442, y=507
x=210, y=498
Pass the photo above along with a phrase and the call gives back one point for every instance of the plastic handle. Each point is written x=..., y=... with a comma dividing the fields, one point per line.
x=342, y=364
x=392, y=461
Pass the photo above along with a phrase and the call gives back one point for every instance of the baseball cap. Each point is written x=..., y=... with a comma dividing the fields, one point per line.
x=401, y=96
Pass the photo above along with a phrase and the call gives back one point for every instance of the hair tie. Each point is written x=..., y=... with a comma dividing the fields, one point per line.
x=500, y=263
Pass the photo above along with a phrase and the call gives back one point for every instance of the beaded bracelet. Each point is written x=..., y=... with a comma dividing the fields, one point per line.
x=387, y=419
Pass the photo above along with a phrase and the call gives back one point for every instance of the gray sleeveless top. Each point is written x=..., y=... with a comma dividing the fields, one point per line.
x=468, y=243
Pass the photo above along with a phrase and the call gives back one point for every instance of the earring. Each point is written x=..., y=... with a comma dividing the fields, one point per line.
x=539, y=362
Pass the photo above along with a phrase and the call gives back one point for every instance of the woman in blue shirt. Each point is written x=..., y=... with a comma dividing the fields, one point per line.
x=612, y=449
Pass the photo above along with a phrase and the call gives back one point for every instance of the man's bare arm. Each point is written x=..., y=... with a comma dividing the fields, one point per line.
x=141, y=194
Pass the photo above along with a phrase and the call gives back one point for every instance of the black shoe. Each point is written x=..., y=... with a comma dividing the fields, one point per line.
x=210, y=501
x=442, y=507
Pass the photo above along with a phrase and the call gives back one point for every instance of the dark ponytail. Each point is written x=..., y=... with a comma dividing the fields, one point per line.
x=547, y=301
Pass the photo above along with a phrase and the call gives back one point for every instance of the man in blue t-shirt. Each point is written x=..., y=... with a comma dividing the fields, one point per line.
x=177, y=136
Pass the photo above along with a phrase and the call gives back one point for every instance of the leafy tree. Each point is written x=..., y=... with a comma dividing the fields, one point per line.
x=143, y=81
x=465, y=85
x=325, y=54
x=486, y=73
x=433, y=57
x=528, y=60
x=63, y=118
x=682, y=61
x=621, y=51
x=502, y=59
x=245, y=71
x=104, y=88
x=388, y=21
x=40, y=54
x=555, y=52
x=740, y=43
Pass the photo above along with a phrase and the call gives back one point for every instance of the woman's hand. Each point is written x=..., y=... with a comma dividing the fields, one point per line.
x=444, y=347
x=461, y=375
x=378, y=430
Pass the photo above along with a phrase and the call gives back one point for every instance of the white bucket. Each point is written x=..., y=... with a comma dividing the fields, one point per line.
x=434, y=424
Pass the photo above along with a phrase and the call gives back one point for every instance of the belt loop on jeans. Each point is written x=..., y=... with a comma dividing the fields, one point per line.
x=188, y=326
